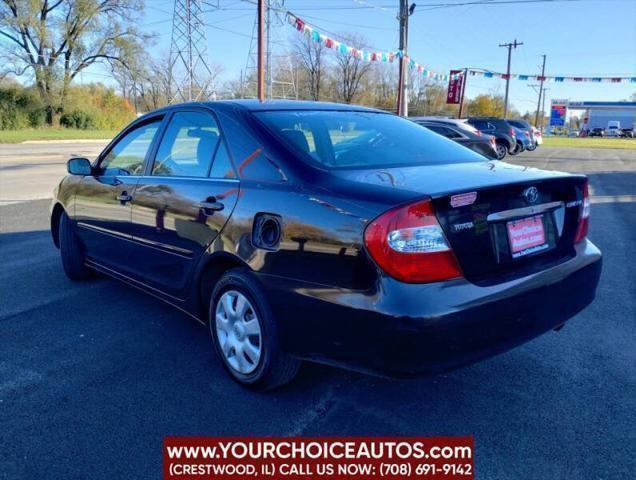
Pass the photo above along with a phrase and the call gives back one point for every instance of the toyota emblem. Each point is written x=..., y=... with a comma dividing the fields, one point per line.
x=531, y=194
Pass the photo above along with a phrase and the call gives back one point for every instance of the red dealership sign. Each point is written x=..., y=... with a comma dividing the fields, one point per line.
x=455, y=85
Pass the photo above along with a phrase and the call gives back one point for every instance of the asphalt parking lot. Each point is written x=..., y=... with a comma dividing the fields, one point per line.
x=94, y=375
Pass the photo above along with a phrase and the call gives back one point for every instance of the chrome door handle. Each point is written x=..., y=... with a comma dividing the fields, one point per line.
x=124, y=197
x=210, y=207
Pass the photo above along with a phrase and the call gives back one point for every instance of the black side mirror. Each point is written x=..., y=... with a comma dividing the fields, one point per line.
x=79, y=166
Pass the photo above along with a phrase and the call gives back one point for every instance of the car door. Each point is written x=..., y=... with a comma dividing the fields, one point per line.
x=103, y=201
x=183, y=201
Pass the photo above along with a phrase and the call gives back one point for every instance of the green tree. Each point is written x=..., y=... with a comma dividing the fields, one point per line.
x=54, y=40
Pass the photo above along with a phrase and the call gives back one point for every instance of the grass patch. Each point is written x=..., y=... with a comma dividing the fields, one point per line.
x=17, y=136
x=595, y=142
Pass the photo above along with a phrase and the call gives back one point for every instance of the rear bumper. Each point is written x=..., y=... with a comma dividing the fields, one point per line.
x=406, y=329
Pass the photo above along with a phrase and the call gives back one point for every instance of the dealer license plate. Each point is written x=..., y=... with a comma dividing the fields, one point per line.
x=527, y=236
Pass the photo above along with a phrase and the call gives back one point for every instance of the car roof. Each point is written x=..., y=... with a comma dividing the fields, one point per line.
x=254, y=105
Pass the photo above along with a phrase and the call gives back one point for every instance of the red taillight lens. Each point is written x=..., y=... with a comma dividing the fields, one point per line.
x=478, y=133
x=527, y=134
x=512, y=132
x=584, y=216
x=409, y=245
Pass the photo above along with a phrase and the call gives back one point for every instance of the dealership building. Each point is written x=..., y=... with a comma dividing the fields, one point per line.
x=598, y=114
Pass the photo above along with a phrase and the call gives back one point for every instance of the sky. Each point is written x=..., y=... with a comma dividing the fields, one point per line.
x=579, y=37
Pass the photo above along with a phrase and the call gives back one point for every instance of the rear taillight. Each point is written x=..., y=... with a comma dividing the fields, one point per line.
x=478, y=133
x=409, y=245
x=584, y=217
x=527, y=134
x=512, y=132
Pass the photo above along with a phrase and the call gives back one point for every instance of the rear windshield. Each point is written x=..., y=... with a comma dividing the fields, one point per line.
x=518, y=124
x=347, y=139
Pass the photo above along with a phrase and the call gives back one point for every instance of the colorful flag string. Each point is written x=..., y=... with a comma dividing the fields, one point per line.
x=362, y=54
x=390, y=56
x=550, y=78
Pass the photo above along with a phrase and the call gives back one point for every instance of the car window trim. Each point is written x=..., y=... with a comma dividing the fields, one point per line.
x=153, y=158
x=130, y=128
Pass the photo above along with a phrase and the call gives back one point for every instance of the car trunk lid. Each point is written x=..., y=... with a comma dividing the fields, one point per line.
x=501, y=220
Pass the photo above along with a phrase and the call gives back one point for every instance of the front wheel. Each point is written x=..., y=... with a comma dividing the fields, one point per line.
x=246, y=335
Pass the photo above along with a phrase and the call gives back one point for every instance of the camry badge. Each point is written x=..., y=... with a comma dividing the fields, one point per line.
x=531, y=194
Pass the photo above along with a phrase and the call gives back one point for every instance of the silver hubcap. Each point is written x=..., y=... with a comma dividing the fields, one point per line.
x=238, y=331
x=501, y=150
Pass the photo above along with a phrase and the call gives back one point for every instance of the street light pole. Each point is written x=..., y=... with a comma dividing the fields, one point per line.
x=509, y=46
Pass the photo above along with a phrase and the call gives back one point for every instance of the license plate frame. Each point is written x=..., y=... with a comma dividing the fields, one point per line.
x=527, y=236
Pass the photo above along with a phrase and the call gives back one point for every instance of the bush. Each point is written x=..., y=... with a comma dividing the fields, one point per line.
x=78, y=119
x=19, y=108
x=86, y=107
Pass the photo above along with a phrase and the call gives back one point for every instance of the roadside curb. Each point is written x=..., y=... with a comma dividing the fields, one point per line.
x=84, y=140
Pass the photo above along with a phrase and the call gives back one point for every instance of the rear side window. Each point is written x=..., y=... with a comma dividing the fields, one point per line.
x=349, y=139
x=482, y=125
x=187, y=146
x=128, y=155
x=446, y=131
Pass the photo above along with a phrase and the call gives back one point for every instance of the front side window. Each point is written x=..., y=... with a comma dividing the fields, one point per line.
x=350, y=139
x=187, y=147
x=128, y=155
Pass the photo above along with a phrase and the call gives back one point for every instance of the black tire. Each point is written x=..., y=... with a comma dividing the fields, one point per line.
x=532, y=147
x=275, y=367
x=501, y=149
x=517, y=150
x=72, y=252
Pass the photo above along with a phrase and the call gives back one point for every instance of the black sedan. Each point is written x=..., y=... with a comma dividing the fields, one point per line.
x=469, y=137
x=331, y=233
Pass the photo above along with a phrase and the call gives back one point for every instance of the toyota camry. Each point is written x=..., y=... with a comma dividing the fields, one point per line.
x=330, y=233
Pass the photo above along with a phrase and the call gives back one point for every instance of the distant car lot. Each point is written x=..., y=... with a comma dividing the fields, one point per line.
x=99, y=384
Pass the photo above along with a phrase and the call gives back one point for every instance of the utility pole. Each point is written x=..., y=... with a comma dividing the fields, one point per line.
x=536, y=118
x=509, y=46
x=542, y=108
x=261, y=51
x=402, y=93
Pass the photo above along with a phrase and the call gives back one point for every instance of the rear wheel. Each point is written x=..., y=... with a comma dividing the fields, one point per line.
x=245, y=333
x=501, y=149
x=517, y=150
x=532, y=147
x=71, y=251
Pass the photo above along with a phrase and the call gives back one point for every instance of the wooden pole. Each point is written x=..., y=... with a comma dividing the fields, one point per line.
x=261, y=50
x=403, y=17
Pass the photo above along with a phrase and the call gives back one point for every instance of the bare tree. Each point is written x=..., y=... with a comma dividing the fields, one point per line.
x=350, y=70
x=310, y=56
x=57, y=39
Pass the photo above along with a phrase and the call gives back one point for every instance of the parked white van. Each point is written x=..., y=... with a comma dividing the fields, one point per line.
x=613, y=128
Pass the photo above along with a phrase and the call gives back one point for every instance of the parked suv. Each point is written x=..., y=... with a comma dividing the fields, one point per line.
x=505, y=137
x=528, y=132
